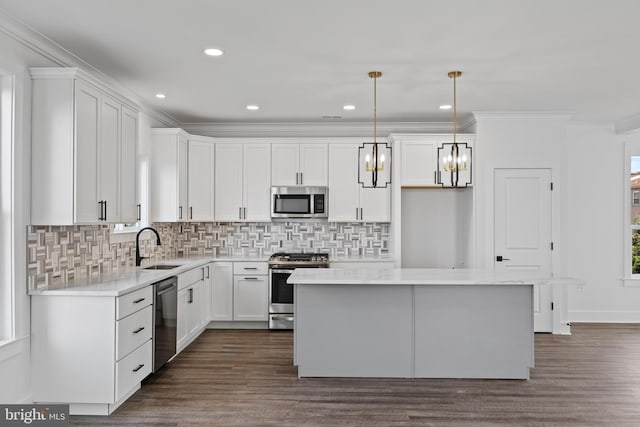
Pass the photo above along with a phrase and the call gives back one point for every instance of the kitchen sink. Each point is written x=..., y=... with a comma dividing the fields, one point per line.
x=162, y=267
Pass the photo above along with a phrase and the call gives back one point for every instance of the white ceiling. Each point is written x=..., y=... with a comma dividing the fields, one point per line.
x=301, y=60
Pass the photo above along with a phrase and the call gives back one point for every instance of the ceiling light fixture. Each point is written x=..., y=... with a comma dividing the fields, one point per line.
x=161, y=95
x=453, y=157
x=213, y=52
x=445, y=107
x=371, y=171
x=349, y=107
x=253, y=107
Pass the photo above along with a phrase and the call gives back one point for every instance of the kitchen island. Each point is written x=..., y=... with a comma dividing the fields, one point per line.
x=414, y=323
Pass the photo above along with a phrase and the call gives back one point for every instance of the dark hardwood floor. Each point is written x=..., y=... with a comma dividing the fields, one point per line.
x=246, y=378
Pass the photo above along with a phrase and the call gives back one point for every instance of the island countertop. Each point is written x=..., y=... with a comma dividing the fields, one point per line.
x=418, y=276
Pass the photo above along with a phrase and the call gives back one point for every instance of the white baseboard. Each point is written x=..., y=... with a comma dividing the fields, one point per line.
x=604, y=316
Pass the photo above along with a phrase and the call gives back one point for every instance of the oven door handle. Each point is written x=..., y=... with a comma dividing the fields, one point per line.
x=282, y=271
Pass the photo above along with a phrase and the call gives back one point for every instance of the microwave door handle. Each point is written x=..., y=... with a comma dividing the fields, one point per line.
x=282, y=270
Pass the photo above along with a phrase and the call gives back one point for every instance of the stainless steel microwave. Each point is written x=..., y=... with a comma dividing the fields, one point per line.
x=299, y=202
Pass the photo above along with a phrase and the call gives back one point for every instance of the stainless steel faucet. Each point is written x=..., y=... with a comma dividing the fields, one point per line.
x=138, y=257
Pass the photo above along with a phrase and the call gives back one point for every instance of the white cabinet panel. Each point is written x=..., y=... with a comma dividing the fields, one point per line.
x=128, y=167
x=285, y=164
x=257, y=182
x=344, y=193
x=133, y=369
x=228, y=182
x=201, y=175
x=419, y=164
x=375, y=204
x=314, y=164
x=108, y=159
x=222, y=291
x=250, y=298
x=183, y=189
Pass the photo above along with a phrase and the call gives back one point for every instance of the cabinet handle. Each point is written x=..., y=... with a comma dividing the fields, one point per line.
x=105, y=210
x=244, y=213
x=180, y=212
x=139, y=300
x=190, y=295
x=250, y=278
x=297, y=178
x=239, y=213
x=139, y=212
x=190, y=212
x=101, y=214
x=361, y=216
x=301, y=180
x=287, y=318
x=202, y=274
x=435, y=177
x=208, y=272
x=357, y=211
x=138, y=368
x=140, y=329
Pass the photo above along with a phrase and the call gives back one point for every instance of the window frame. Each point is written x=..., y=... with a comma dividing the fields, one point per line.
x=631, y=149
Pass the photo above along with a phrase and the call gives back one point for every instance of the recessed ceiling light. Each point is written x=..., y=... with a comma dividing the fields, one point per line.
x=252, y=107
x=445, y=107
x=161, y=95
x=213, y=52
x=349, y=107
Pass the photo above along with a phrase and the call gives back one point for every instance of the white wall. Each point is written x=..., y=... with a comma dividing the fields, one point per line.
x=14, y=357
x=595, y=227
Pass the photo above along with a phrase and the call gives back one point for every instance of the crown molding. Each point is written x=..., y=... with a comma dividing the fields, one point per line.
x=47, y=48
x=628, y=125
x=522, y=115
x=302, y=129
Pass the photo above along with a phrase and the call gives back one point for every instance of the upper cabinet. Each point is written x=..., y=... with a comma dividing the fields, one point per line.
x=299, y=164
x=181, y=176
x=242, y=182
x=84, y=142
x=419, y=160
x=348, y=200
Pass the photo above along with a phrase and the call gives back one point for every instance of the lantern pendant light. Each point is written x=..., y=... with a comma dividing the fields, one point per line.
x=454, y=158
x=372, y=156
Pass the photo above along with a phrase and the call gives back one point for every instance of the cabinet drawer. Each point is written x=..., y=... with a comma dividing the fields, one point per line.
x=133, y=369
x=250, y=268
x=130, y=303
x=192, y=276
x=133, y=330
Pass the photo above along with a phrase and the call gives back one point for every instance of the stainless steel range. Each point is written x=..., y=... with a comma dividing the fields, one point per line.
x=281, y=265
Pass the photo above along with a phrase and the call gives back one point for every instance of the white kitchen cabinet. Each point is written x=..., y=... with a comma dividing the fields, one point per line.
x=129, y=213
x=200, y=194
x=242, y=182
x=239, y=291
x=348, y=200
x=82, y=170
x=106, y=354
x=419, y=159
x=222, y=291
x=193, y=305
x=299, y=164
x=250, y=298
x=181, y=178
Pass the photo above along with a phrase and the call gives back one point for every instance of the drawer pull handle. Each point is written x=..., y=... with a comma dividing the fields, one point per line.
x=250, y=278
x=250, y=268
x=140, y=329
x=139, y=300
x=138, y=368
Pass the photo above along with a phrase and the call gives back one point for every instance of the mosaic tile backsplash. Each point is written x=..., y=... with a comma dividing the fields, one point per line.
x=66, y=252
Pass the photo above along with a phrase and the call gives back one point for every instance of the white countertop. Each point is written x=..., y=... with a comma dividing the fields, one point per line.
x=418, y=276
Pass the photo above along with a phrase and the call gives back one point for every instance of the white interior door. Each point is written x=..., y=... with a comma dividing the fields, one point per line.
x=522, y=230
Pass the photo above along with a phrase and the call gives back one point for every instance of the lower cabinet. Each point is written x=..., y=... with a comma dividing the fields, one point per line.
x=91, y=352
x=240, y=291
x=193, y=305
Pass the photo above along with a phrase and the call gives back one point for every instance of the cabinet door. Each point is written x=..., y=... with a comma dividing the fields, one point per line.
x=228, y=182
x=196, y=303
x=375, y=204
x=108, y=154
x=129, y=149
x=419, y=164
x=285, y=167
x=314, y=164
x=87, y=103
x=257, y=178
x=344, y=191
x=201, y=165
x=222, y=291
x=182, y=323
x=182, y=178
x=250, y=295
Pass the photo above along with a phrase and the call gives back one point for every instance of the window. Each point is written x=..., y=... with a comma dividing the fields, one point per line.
x=636, y=197
x=632, y=214
x=6, y=208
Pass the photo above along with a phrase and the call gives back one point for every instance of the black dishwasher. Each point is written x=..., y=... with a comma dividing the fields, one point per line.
x=165, y=310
